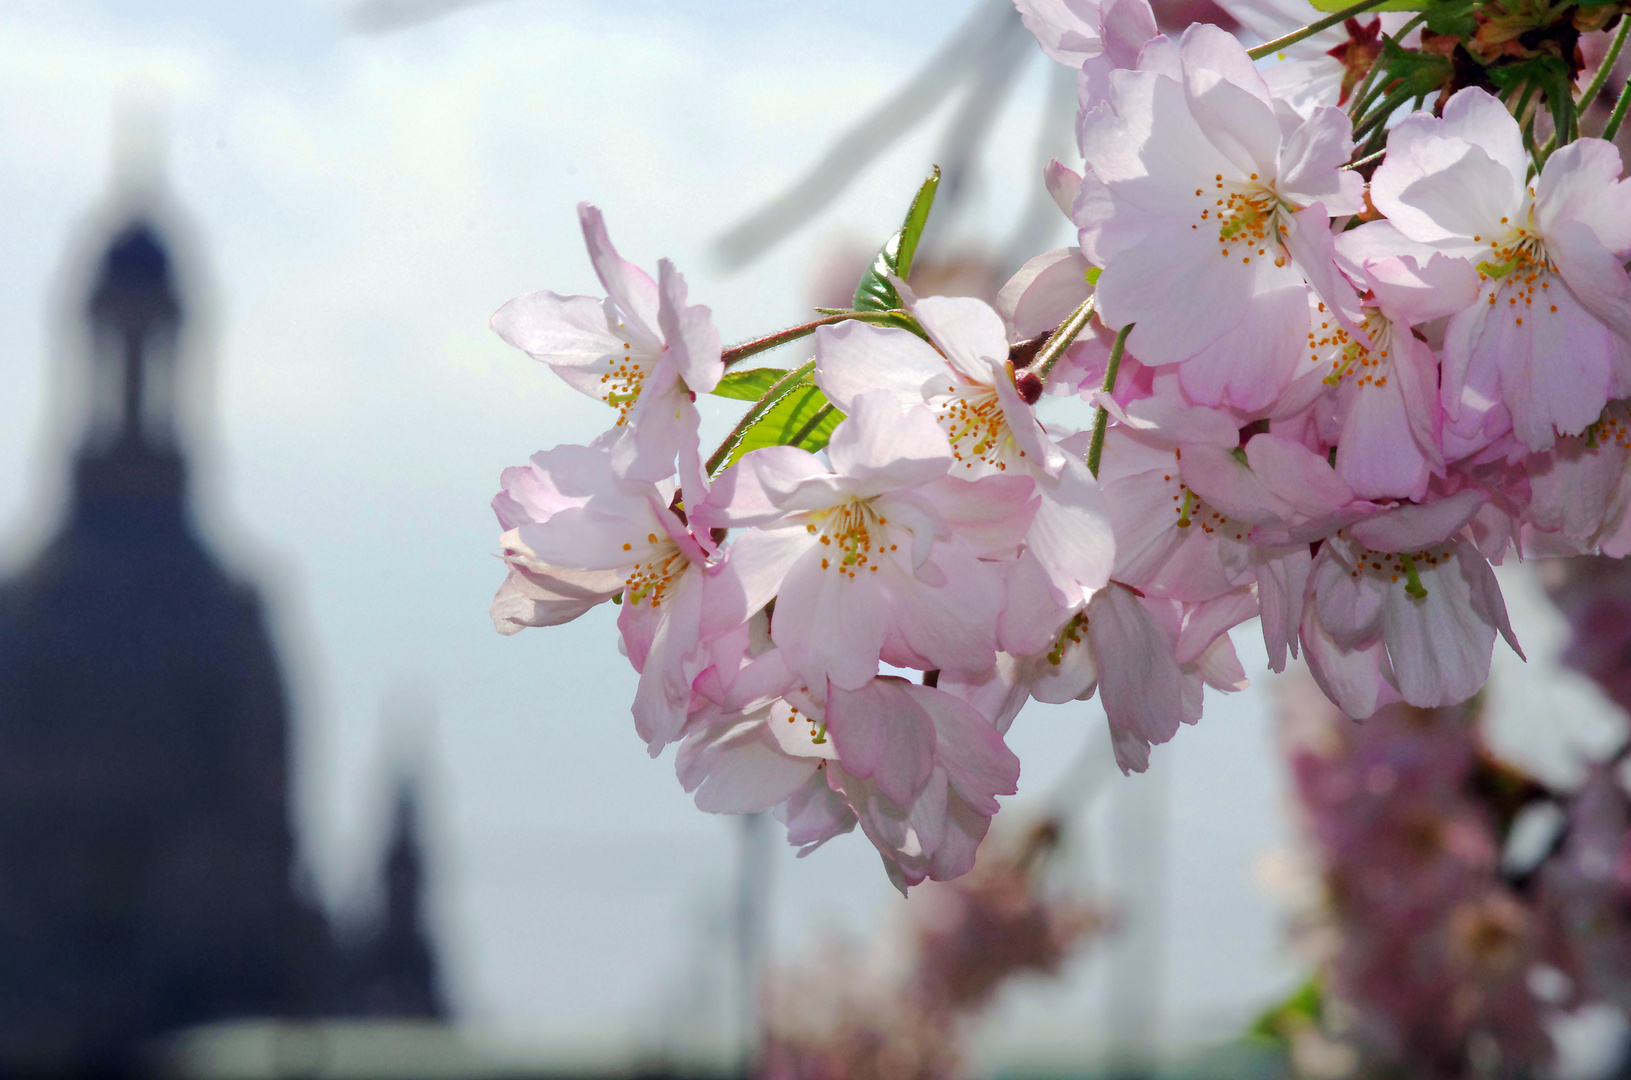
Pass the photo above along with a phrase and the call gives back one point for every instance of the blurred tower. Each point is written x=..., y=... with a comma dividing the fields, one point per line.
x=145, y=846
x=146, y=854
x=393, y=972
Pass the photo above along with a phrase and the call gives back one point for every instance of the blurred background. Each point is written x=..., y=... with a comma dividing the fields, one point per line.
x=270, y=775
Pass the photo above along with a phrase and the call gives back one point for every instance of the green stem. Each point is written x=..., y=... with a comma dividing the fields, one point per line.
x=737, y=353
x=1367, y=93
x=1101, y=422
x=1055, y=346
x=1368, y=159
x=1595, y=87
x=1376, y=119
x=1268, y=48
x=1618, y=115
x=773, y=395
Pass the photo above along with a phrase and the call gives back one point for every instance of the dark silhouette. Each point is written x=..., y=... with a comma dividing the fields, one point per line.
x=392, y=972
x=146, y=853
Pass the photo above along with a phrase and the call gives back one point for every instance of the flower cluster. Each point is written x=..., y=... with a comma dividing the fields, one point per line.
x=903, y=1008
x=1332, y=359
x=1464, y=907
x=1432, y=953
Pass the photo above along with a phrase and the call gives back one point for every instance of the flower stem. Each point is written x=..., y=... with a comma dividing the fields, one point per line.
x=1060, y=339
x=773, y=395
x=737, y=353
x=1368, y=159
x=1101, y=422
x=1610, y=58
x=1268, y=48
x=1618, y=115
x=1378, y=117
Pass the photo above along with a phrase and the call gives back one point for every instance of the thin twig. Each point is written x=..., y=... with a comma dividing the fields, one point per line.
x=1269, y=48
x=1610, y=58
x=737, y=353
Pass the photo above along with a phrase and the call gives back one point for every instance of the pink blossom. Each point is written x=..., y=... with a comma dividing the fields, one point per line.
x=1400, y=606
x=1388, y=443
x=1192, y=206
x=1551, y=328
x=1147, y=658
x=1196, y=515
x=642, y=349
x=964, y=376
x=1581, y=490
x=918, y=768
x=880, y=556
x=577, y=532
x=1093, y=37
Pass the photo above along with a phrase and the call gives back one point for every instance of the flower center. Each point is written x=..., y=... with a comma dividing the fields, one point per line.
x=620, y=383
x=654, y=578
x=1611, y=427
x=1194, y=513
x=972, y=418
x=1247, y=216
x=847, y=532
x=1391, y=566
x=1520, y=258
x=1350, y=357
x=1070, y=635
x=818, y=727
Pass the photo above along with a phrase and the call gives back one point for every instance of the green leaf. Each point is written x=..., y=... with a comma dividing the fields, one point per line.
x=874, y=292
x=1545, y=73
x=748, y=385
x=1303, y=1009
x=1331, y=7
x=1411, y=73
x=797, y=411
x=1452, y=17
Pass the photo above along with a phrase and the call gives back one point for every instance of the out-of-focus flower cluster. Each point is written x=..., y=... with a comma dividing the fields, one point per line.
x=1463, y=906
x=1342, y=333
x=898, y=1012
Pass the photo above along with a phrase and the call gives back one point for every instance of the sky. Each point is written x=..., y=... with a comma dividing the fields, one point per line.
x=350, y=208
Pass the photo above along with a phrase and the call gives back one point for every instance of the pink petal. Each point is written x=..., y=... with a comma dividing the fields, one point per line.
x=978, y=763
x=882, y=733
x=853, y=358
x=1044, y=292
x=688, y=331
x=738, y=769
x=882, y=445
x=1411, y=527
x=630, y=287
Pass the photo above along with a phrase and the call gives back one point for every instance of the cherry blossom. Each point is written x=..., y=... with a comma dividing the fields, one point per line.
x=1551, y=328
x=1339, y=335
x=578, y=533
x=980, y=401
x=881, y=556
x=1192, y=205
x=1400, y=607
x=642, y=349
